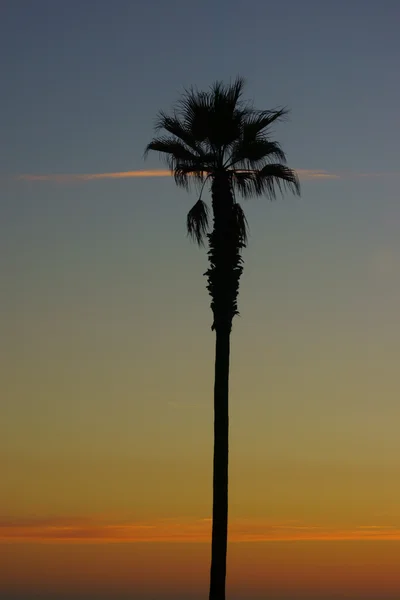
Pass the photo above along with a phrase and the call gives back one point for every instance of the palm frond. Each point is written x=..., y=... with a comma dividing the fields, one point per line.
x=187, y=172
x=266, y=181
x=193, y=109
x=172, y=147
x=243, y=182
x=234, y=91
x=213, y=118
x=227, y=113
x=249, y=153
x=197, y=222
x=259, y=121
x=227, y=95
x=182, y=162
x=176, y=127
x=282, y=176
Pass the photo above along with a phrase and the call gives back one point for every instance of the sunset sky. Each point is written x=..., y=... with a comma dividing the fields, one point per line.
x=106, y=368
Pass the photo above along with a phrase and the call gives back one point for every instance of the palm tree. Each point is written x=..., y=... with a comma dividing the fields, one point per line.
x=216, y=137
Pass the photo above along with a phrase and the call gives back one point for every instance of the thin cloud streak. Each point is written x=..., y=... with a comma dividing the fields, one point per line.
x=304, y=174
x=99, y=531
x=77, y=177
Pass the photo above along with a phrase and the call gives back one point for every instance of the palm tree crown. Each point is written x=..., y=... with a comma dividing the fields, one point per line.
x=216, y=136
x=215, y=131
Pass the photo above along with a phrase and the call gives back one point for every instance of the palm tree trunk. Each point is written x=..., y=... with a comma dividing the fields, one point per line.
x=223, y=284
x=220, y=473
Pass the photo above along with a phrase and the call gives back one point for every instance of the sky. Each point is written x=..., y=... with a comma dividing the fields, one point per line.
x=106, y=351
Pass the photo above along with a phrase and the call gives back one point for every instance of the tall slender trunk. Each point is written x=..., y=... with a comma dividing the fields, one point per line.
x=223, y=283
x=220, y=477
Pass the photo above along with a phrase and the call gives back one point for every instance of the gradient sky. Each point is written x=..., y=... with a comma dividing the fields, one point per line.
x=105, y=344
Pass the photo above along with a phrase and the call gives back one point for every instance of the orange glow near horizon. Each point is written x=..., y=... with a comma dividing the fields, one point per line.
x=282, y=570
x=99, y=531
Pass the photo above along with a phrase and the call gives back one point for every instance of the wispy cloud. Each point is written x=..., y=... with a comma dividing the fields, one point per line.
x=307, y=174
x=304, y=174
x=378, y=527
x=79, y=177
x=80, y=530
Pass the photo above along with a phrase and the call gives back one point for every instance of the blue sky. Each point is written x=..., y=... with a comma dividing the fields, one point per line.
x=83, y=80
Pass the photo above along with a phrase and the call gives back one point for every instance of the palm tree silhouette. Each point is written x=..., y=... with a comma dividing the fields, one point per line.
x=216, y=137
